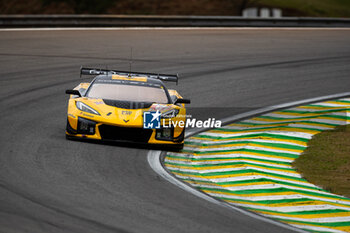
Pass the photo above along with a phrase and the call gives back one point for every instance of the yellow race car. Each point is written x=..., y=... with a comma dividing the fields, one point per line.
x=126, y=106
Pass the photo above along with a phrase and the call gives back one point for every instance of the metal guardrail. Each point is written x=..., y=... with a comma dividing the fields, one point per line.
x=28, y=21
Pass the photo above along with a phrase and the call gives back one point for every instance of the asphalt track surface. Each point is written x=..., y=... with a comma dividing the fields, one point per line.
x=50, y=184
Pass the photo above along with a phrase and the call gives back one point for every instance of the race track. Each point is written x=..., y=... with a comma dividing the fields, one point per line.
x=49, y=184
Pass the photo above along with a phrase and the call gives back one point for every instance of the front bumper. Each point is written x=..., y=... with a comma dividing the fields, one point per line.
x=89, y=129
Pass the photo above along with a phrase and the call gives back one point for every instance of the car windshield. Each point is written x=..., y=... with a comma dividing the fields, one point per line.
x=128, y=93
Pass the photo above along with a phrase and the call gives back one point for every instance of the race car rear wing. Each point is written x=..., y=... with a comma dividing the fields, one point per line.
x=97, y=71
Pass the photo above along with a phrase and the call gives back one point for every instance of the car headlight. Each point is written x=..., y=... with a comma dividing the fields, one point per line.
x=170, y=114
x=85, y=108
x=165, y=134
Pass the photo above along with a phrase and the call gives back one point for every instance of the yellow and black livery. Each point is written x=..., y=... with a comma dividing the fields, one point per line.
x=96, y=115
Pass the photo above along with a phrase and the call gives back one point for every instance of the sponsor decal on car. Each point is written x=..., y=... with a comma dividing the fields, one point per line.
x=139, y=79
x=126, y=112
x=99, y=102
x=160, y=107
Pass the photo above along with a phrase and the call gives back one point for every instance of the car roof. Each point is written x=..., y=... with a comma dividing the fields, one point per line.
x=131, y=80
x=127, y=80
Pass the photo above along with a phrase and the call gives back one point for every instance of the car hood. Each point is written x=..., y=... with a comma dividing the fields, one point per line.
x=122, y=113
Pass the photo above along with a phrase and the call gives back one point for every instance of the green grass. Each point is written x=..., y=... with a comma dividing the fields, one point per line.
x=326, y=162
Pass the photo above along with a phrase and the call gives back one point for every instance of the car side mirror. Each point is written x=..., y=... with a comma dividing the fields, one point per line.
x=173, y=98
x=182, y=101
x=73, y=92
